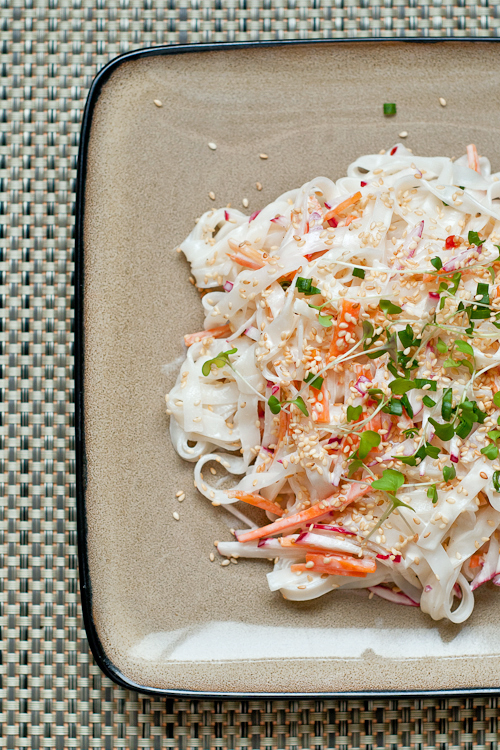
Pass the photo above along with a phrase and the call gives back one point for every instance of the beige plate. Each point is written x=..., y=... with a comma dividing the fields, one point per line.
x=166, y=617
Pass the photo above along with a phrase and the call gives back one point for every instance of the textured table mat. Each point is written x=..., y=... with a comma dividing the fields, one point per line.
x=52, y=694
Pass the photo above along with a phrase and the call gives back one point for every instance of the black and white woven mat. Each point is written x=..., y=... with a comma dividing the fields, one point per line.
x=51, y=693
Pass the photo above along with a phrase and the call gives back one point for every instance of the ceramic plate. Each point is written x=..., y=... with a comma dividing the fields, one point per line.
x=160, y=616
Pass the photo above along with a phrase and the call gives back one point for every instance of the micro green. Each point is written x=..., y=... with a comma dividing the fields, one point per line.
x=276, y=405
x=443, y=431
x=369, y=439
x=354, y=413
x=221, y=360
x=432, y=494
x=449, y=473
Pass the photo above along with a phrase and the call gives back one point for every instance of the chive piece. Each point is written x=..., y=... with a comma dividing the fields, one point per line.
x=359, y=272
x=389, y=109
x=446, y=404
x=496, y=480
x=315, y=381
x=427, y=401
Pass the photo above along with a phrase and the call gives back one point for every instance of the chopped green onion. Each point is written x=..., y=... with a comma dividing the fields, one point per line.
x=389, y=109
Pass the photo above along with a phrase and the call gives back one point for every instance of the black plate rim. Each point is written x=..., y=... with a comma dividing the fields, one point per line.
x=96, y=646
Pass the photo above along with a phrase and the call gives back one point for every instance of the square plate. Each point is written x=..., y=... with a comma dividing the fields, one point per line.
x=160, y=616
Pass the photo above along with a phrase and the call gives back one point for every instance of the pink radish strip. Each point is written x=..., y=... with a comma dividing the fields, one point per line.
x=393, y=596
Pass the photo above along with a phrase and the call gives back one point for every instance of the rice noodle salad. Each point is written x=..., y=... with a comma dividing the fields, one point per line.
x=348, y=377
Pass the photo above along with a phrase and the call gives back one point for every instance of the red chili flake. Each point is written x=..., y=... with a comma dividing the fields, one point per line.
x=226, y=215
x=332, y=222
x=451, y=241
x=253, y=216
x=363, y=184
x=307, y=227
x=393, y=150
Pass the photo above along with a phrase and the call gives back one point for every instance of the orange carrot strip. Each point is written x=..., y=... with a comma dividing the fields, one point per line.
x=323, y=412
x=242, y=260
x=342, y=206
x=358, y=490
x=313, y=256
x=215, y=333
x=336, y=565
x=352, y=309
x=291, y=522
x=475, y=561
x=252, y=498
x=472, y=157
x=283, y=426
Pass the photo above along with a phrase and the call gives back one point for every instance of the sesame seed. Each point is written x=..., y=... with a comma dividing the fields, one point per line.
x=483, y=475
x=263, y=156
x=212, y=557
x=211, y=195
x=245, y=202
x=258, y=186
x=158, y=103
x=403, y=134
x=442, y=101
x=225, y=563
x=212, y=146
x=176, y=515
x=179, y=493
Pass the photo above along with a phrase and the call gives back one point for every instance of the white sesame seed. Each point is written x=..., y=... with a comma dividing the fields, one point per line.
x=263, y=156
x=212, y=557
x=179, y=493
x=258, y=186
x=176, y=515
x=403, y=134
x=225, y=563
x=211, y=195
x=442, y=101
x=158, y=103
x=245, y=202
x=212, y=145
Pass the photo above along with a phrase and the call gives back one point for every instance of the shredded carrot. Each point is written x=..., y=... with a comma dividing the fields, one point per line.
x=216, y=333
x=313, y=256
x=246, y=262
x=358, y=490
x=342, y=207
x=320, y=407
x=291, y=522
x=283, y=426
x=252, y=498
x=246, y=256
x=472, y=157
x=352, y=309
x=336, y=565
x=476, y=561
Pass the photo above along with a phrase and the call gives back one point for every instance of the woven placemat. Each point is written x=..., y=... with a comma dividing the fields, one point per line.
x=52, y=694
